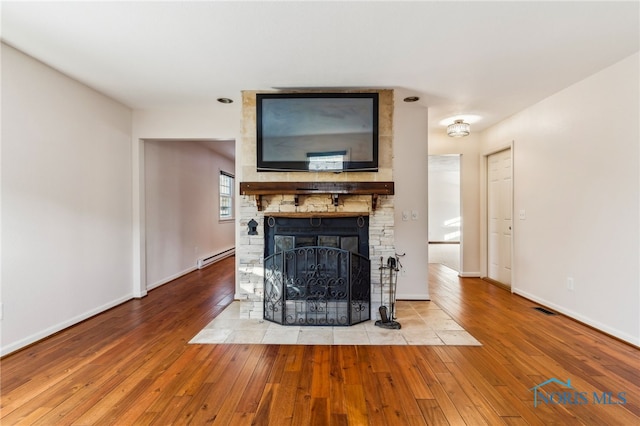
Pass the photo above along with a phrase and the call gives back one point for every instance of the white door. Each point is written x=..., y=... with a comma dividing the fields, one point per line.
x=499, y=212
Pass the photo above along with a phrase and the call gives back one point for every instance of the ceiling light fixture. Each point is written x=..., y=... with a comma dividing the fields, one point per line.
x=225, y=100
x=411, y=99
x=458, y=129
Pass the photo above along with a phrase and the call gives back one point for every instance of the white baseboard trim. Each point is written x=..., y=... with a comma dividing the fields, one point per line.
x=14, y=346
x=634, y=340
x=171, y=278
x=469, y=274
x=413, y=296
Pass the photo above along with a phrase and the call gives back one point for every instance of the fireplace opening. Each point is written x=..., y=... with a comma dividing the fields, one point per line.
x=317, y=271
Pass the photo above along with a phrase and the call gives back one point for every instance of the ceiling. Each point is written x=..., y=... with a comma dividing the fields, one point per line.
x=483, y=59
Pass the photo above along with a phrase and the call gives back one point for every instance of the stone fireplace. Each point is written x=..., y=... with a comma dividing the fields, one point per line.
x=283, y=199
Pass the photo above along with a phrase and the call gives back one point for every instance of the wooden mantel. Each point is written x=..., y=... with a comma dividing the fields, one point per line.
x=335, y=189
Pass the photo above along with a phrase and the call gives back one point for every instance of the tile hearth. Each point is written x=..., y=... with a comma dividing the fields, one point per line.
x=423, y=323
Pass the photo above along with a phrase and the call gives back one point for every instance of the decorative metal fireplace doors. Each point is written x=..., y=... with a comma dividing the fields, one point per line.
x=317, y=286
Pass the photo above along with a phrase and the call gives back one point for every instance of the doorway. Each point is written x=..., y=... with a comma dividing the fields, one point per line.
x=183, y=222
x=444, y=210
x=499, y=216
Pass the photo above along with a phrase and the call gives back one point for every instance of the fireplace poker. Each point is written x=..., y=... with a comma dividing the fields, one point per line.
x=383, y=309
x=391, y=264
x=393, y=281
x=387, y=321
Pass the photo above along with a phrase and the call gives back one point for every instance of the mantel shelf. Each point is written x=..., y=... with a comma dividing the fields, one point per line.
x=335, y=189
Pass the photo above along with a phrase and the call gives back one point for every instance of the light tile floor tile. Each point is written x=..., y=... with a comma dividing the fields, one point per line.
x=386, y=337
x=239, y=324
x=289, y=328
x=345, y=336
x=231, y=311
x=315, y=336
x=422, y=337
x=246, y=336
x=412, y=323
x=209, y=335
x=423, y=323
x=281, y=337
x=433, y=315
x=443, y=324
x=457, y=337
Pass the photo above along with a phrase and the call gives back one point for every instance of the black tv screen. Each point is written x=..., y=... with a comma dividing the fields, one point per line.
x=317, y=132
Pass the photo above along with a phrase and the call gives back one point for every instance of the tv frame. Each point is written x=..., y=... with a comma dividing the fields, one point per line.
x=303, y=166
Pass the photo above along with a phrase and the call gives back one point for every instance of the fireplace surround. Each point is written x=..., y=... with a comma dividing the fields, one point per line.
x=310, y=195
x=254, y=249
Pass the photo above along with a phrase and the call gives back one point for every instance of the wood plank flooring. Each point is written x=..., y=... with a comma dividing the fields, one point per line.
x=132, y=365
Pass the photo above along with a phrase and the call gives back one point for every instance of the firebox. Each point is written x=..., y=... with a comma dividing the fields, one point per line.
x=317, y=271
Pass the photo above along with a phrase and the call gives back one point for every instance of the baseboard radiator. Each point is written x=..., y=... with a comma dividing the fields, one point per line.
x=206, y=261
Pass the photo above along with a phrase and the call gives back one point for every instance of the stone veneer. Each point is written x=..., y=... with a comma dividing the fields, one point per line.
x=250, y=248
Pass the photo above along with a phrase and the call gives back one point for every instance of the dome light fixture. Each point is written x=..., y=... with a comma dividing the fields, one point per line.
x=225, y=100
x=458, y=129
x=411, y=99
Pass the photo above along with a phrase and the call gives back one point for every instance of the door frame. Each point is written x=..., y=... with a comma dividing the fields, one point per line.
x=484, y=216
x=139, y=185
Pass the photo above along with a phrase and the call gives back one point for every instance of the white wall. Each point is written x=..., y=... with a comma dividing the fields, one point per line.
x=66, y=201
x=410, y=174
x=576, y=176
x=182, y=205
x=469, y=147
x=208, y=121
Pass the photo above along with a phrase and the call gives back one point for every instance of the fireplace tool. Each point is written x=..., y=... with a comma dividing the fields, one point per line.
x=388, y=316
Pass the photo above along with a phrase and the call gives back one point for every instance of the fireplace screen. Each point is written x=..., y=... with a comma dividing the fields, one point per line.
x=316, y=285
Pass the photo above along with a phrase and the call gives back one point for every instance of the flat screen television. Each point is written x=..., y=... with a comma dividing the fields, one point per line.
x=317, y=132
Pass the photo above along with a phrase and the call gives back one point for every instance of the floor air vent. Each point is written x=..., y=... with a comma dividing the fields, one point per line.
x=544, y=311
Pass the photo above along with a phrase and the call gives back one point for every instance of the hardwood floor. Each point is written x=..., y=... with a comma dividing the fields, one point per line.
x=133, y=365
